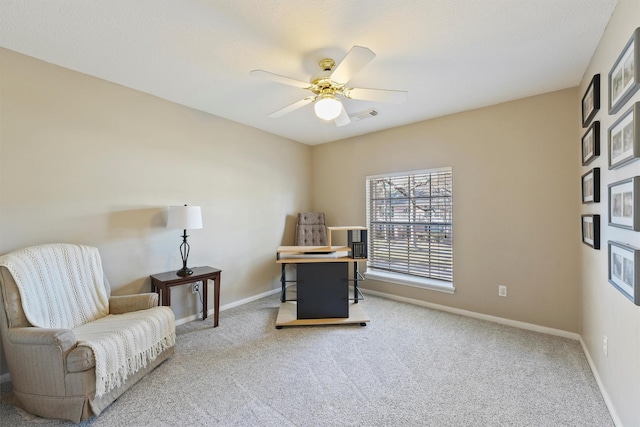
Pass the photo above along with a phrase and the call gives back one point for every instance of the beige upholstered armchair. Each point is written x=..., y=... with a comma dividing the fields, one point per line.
x=311, y=229
x=70, y=346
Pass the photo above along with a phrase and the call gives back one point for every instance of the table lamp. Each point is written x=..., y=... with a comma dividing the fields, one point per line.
x=186, y=218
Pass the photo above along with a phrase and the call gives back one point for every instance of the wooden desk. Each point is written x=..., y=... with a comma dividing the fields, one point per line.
x=322, y=287
x=162, y=283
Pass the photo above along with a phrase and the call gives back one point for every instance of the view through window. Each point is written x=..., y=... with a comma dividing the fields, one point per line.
x=410, y=222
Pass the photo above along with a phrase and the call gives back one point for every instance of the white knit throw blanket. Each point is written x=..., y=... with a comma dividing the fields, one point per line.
x=124, y=343
x=62, y=287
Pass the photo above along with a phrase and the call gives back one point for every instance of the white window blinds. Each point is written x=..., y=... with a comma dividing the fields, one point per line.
x=410, y=221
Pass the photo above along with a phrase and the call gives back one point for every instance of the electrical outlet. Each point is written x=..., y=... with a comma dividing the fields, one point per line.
x=195, y=288
x=605, y=346
x=502, y=291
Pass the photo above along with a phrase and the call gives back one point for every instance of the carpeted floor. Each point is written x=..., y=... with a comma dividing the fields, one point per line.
x=411, y=366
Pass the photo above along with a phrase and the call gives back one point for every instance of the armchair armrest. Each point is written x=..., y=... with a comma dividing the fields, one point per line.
x=128, y=303
x=38, y=356
x=65, y=339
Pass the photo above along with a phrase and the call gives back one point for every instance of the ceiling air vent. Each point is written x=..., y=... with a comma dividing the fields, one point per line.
x=363, y=115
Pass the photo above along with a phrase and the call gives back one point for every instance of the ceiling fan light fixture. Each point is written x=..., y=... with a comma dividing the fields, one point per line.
x=330, y=82
x=328, y=107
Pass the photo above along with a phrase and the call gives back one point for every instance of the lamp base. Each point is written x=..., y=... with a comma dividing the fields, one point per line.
x=184, y=272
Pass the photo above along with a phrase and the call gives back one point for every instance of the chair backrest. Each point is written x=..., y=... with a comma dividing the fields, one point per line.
x=311, y=229
x=12, y=305
x=60, y=285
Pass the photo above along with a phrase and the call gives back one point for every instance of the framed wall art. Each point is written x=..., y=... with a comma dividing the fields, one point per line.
x=591, y=186
x=624, y=138
x=591, y=143
x=591, y=230
x=624, y=204
x=624, y=269
x=591, y=101
x=624, y=77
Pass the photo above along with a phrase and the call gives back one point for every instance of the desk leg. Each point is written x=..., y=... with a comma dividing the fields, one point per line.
x=355, y=282
x=216, y=299
x=205, y=282
x=283, y=281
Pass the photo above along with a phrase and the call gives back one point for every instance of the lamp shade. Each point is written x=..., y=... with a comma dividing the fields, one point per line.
x=184, y=217
x=328, y=108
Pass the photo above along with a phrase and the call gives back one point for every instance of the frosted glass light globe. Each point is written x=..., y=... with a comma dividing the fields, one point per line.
x=328, y=108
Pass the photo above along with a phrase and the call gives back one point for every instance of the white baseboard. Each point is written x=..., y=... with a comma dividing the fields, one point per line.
x=472, y=314
x=603, y=391
x=238, y=303
x=250, y=299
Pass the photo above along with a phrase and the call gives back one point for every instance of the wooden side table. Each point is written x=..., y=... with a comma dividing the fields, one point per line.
x=162, y=283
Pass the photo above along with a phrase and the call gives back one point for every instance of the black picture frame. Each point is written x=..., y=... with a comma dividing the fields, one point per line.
x=624, y=77
x=624, y=269
x=624, y=138
x=591, y=230
x=624, y=203
x=591, y=143
x=591, y=101
x=591, y=186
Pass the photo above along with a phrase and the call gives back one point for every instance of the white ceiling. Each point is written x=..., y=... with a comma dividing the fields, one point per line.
x=450, y=55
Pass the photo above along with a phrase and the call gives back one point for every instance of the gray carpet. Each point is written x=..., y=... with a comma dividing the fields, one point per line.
x=410, y=366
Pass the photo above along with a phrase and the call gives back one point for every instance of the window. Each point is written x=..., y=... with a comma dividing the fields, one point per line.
x=410, y=222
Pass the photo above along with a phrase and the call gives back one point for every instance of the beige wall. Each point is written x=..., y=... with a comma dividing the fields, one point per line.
x=86, y=161
x=605, y=311
x=515, y=202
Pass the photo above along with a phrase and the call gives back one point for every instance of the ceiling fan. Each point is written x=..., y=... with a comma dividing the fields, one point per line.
x=330, y=83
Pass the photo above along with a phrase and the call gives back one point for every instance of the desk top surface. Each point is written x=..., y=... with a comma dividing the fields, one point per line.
x=312, y=249
x=308, y=254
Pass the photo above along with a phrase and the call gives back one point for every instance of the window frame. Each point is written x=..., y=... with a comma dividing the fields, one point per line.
x=406, y=278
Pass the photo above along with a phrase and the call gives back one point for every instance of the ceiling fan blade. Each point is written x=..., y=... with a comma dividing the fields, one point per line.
x=280, y=79
x=357, y=58
x=381, y=95
x=292, y=107
x=343, y=119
